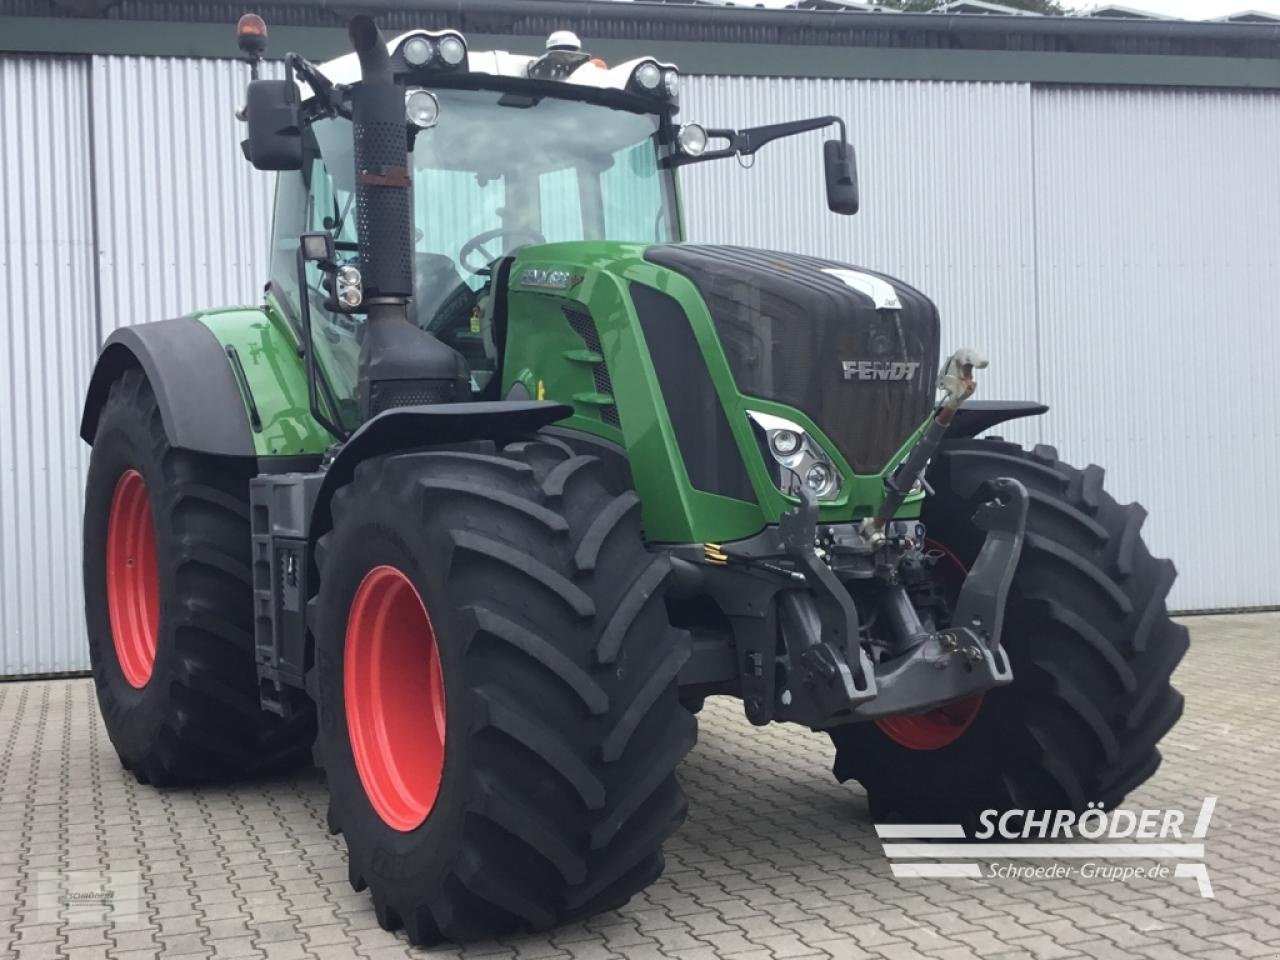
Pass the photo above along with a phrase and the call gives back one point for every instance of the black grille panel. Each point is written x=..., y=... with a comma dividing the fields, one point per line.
x=787, y=329
x=710, y=453
x=585, y=327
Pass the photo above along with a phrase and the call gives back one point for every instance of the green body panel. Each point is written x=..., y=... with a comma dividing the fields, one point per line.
x=276, y=375
x=547, y=356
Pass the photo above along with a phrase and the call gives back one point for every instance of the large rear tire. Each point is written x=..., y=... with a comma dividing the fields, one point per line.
x=1088, y=637
x=496, y=680
x=169, y=604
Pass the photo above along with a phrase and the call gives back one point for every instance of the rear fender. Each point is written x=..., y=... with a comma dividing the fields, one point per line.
x=200, y=402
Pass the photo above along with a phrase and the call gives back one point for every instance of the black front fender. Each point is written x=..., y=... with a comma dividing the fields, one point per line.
x=979, y=415
x=404, y=428
x=200, y=404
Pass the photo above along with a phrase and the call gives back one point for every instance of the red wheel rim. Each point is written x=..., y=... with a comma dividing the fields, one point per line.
x=394, y=691
x=944, y=725
x=133, y=583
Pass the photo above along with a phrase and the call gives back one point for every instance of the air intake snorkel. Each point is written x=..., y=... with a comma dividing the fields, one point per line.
x=400, y=364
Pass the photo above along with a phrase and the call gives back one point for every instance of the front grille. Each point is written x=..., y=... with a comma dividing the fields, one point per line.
x=788, y=328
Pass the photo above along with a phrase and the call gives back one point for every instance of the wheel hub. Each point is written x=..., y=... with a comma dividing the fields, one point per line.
x=395, y=700
x=133, y=581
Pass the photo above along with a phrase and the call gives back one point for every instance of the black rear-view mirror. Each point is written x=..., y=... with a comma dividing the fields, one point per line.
x=273, y=114
x=841, y=172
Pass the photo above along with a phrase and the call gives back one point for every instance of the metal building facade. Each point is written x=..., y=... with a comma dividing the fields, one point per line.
x=1108, y=248
x=47, y=294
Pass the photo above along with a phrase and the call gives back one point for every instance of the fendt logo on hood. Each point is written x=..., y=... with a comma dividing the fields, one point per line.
x=895, y=370
x=550, y=279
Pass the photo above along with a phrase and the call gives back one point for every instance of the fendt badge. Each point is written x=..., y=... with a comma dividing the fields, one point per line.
x=879, y=369
x=550, y=279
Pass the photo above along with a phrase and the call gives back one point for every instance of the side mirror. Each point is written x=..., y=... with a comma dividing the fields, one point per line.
x=273, y=112
x=842, y=177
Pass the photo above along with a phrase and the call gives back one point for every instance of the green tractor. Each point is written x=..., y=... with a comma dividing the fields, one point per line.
x=503, y=478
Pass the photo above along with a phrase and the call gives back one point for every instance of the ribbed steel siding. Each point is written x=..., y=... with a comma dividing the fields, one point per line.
x=1145, y=220
x=1159, y=249
x=46, y=293
x=183, y=220
x=946, y=182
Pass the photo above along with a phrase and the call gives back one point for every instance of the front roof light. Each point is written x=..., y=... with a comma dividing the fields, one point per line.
x=452, y=50
x=421, y=108
x=648, y=76
x=418, y=51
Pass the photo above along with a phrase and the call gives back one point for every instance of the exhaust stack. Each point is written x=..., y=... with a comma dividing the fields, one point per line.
x=384, y=188
x=400, y=364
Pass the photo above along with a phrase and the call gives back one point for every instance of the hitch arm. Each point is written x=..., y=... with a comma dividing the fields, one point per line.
x=980, y=606
x=957, y=385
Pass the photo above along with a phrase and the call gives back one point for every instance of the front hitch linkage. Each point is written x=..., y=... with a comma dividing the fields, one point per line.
x=834, y=681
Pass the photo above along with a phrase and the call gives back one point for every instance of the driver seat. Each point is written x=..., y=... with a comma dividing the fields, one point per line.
x=435, y=278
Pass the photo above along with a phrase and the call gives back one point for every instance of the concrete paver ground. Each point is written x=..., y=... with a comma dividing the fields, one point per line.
x=776, y=861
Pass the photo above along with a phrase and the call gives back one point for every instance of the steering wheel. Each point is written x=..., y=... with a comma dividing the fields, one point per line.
x=476, y=245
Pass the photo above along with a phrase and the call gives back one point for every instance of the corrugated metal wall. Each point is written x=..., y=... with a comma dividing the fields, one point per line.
x=183, y=221
x=1158, y=253
x=1110, y=250
x=47, y=294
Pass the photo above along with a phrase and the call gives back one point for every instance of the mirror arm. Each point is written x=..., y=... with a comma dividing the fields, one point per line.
x=747, y=142
x=330, y=97
x=753, y=138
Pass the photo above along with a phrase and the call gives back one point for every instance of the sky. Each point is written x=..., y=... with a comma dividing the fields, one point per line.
x=1186, y=9
x=1196, y=9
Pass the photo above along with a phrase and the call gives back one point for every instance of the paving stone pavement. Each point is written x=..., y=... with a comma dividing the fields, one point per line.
x=776, y=860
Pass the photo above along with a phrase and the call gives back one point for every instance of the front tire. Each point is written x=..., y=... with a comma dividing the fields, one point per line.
x=169, y=604
x=1089, y=639
x=507, y=761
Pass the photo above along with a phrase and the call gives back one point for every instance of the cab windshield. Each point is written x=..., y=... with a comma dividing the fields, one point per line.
x=498, y=171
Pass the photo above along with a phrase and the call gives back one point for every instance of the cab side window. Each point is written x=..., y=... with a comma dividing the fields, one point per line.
x=306, y=202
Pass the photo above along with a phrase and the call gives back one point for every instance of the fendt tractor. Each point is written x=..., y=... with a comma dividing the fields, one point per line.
x=503, y=478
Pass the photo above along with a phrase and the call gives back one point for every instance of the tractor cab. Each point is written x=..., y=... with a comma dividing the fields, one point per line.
x=504, y=152
x=493, y=171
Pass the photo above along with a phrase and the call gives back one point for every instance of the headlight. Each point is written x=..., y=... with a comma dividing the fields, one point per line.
x=692, y=140
x=820, y=478
x=784, y=442
x=421, y=108
x=671, y=82
x=798, y=460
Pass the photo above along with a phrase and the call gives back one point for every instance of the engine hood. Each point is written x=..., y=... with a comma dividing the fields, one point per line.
x=855, y=350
